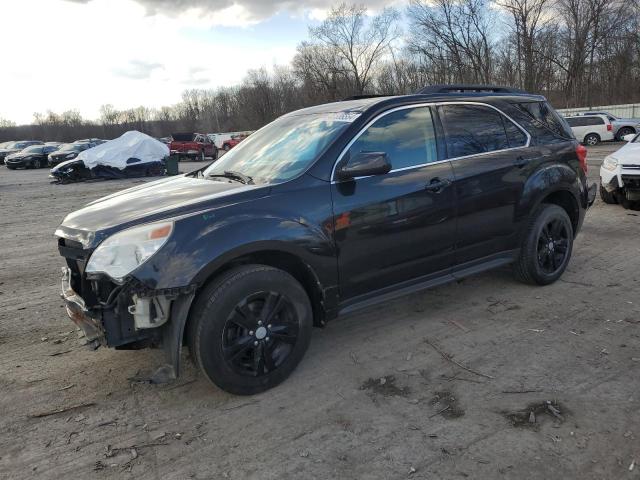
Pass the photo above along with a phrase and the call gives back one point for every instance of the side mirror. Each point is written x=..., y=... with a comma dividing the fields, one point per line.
x=629, y=138
x=362, y=165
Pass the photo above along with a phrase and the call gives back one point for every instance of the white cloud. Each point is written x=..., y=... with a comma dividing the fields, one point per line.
x=82, y=54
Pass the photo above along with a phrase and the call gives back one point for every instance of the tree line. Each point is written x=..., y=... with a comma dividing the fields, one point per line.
x=575, y=52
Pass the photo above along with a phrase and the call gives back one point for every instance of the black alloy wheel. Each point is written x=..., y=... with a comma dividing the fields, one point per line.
x=249, y=328
x=553, y=245
x=260, y=333
x=546, y=246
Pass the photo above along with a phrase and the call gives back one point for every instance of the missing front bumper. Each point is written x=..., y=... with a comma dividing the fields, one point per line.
x=79, y=314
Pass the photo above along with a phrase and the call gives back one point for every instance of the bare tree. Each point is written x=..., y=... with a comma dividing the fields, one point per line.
x=359, y=43
x=453, y=36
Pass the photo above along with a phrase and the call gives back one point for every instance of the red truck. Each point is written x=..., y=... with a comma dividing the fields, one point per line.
x=232, y=142
x=196, y=146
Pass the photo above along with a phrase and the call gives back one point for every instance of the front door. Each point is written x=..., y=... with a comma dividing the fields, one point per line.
x=399, y=226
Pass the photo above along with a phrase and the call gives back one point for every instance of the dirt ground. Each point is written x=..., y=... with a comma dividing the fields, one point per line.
x=374, y=398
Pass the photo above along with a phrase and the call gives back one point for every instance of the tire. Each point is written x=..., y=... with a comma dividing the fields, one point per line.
x=607, y=197
x=37, y=164
x=539, y=262
x=625, y=131
x=226, y=340
x=202, y=157
x=226, y=148
x=592, y=139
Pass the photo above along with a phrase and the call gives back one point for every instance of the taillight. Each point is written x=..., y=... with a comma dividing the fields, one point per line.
x=609, y=127
x=581, y=152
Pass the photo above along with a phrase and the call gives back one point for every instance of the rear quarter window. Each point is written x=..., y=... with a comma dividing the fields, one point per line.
x=542, y=122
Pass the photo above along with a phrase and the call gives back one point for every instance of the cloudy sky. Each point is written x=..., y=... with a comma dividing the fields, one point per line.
x=80, y=54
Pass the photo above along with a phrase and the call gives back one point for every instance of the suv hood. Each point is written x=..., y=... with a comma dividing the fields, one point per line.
x=629, y=154
x=166, y=198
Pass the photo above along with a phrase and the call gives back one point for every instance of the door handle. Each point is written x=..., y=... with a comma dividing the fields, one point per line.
x=436, y=185
x=520, y=162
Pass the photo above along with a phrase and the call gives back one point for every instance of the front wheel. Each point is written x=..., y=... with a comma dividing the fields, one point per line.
x=546, y=247
x=250, y=328
x=592, y=139
x=202, y=155
x=607, y=197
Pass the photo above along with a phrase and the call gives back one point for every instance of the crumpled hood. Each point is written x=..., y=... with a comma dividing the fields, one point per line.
x=166, y=198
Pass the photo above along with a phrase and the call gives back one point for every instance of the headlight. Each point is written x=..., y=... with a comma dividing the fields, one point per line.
x=71, y=155
x=610, y=163
x=122, y=253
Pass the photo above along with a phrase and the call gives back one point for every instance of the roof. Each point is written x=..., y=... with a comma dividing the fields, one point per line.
x=436, y=93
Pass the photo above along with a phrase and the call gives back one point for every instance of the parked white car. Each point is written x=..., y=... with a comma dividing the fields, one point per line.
x=591, y=129
x=620, y=174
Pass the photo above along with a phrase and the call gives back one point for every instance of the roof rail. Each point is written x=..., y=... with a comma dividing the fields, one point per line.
x=360, y=97
x=463, y=88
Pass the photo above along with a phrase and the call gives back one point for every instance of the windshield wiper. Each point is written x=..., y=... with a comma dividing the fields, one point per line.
x=233, y=175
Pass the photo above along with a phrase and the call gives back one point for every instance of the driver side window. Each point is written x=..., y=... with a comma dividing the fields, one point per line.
x=407, y=136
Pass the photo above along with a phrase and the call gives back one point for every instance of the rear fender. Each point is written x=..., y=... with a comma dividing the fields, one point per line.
x=546, y=181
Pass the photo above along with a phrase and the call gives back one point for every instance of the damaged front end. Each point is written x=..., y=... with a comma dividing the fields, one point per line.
x=124, y=315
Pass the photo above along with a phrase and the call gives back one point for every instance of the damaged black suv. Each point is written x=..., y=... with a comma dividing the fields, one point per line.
x=322, y=212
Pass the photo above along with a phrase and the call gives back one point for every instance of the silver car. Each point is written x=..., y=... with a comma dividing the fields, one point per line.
x=621, y=126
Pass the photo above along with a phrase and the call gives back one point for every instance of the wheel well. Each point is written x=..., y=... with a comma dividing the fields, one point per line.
x=566, y=200
x=288, y=263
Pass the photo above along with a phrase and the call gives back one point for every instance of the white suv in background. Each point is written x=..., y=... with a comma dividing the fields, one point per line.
x=591, y=129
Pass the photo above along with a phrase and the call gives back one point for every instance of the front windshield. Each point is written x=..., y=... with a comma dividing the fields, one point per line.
x=284, y=148
x=33, y=149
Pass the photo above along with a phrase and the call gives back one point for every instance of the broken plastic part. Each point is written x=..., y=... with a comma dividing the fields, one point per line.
x=149, y=312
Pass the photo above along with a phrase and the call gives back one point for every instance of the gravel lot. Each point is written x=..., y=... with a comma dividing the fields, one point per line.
x=373, y=399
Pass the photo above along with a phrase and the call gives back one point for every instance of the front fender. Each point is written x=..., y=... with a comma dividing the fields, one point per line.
x=202, y=243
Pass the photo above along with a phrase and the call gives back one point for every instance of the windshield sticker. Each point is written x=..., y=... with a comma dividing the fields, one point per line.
x=343, y=116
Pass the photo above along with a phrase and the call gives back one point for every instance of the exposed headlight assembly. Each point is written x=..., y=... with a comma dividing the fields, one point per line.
x=610, y=163
x=71, y=155
x=122, y=253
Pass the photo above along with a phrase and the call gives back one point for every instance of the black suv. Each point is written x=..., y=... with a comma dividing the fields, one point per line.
x=324, y=211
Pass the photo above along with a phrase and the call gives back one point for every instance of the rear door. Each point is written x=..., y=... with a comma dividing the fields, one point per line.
x=400, y=226
x=490, y=165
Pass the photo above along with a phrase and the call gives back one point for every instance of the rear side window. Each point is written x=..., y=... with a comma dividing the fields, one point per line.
x=515, y=135
x=585, y=121
x=543, y=123
x=473, y=129
x=407, y=136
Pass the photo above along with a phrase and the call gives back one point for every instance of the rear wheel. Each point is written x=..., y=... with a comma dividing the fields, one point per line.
x=226, y=147
x=607, y=197
x=250, y=328
x=592, y=139
x=625, y=131
x=546, y=247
